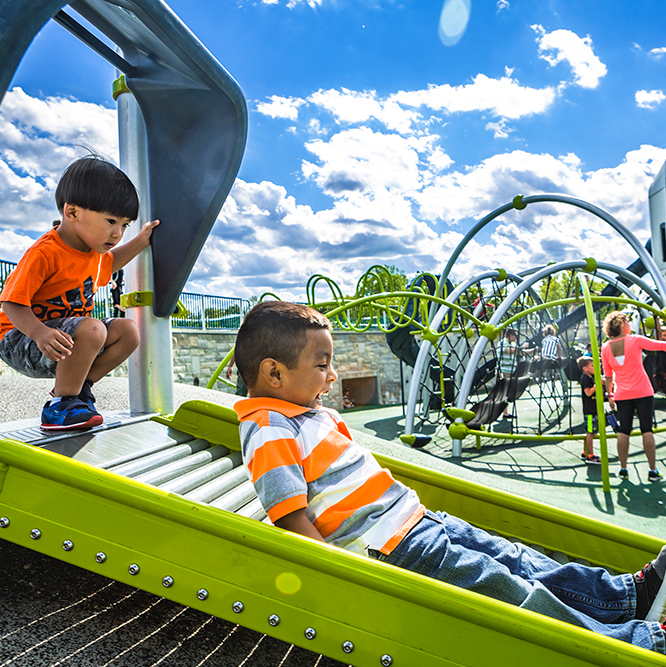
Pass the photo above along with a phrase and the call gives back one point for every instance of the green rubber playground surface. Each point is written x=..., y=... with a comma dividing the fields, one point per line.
x=550, y=472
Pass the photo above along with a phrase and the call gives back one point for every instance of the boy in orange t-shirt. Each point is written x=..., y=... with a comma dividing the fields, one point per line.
x=46, y=328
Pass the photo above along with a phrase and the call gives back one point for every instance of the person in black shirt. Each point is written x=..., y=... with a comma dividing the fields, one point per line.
x=586, y=366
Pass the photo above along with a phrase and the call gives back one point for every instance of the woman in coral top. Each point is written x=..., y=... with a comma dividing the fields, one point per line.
x=622, y=358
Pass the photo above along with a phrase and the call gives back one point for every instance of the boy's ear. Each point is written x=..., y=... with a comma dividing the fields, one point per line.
x=271, y=371
x=69, y=211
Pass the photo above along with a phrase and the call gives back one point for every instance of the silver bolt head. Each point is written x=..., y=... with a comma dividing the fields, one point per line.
x=68, y=545
x=133, y=569
x=202, y=593
x=347, y=646
x=4, y=522
x=273, y=620
x=35, y=533
x=238, y=606
x=310, y=633
x=167, y=582
x=100, y=556
x=386, y=660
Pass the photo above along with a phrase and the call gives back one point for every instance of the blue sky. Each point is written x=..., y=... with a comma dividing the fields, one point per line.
x=371, y=141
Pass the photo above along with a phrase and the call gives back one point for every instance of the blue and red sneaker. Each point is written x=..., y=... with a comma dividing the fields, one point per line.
x=69, y=413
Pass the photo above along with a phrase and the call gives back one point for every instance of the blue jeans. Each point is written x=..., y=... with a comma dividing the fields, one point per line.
x=449, y=549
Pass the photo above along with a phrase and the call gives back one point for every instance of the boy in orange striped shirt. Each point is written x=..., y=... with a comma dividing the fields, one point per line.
x=314, y=480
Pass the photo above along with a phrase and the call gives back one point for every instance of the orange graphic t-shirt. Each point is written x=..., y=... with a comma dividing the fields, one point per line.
x=55, y=280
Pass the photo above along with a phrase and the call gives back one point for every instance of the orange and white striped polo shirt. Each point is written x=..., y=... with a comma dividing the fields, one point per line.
x=304, y=458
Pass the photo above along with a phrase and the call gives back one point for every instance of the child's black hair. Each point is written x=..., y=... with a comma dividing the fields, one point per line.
x=94, y=183
x=583, y=361
x=275, y=330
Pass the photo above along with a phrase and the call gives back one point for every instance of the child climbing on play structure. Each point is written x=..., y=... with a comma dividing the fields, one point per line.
x=508, y=353
x=588, y=393
x=551, y=351
x=46, y=328
x=314, y=480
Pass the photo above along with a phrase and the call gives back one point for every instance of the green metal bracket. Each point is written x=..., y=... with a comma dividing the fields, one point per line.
x=456, y=413
x=133, y=299
x=490, y=331
x=180, y=311
x=518, y=203
x=591, y=265
x=430, y=337
x=458, y=431
x=119, y=87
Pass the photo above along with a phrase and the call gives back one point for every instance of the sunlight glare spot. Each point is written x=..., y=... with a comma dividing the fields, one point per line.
x=453, y=21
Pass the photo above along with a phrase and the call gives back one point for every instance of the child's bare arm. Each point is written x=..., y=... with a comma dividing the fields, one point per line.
x=298, y=522
x=126, y=252
x=589, y=391
x=53, y=343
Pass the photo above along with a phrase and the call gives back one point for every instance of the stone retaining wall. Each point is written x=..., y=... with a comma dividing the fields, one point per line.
x=365, y=364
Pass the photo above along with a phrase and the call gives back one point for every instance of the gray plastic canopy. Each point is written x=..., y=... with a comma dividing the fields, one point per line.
x=194, y=112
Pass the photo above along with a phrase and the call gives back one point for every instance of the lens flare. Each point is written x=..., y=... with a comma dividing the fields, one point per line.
x=453, y=20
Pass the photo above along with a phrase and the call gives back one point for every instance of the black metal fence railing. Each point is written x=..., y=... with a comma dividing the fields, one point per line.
x=204, y=312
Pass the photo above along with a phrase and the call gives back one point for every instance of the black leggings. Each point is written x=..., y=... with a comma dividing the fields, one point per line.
x=625, y=413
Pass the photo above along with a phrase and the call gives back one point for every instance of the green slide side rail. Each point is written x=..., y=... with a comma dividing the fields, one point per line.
x=245, y=571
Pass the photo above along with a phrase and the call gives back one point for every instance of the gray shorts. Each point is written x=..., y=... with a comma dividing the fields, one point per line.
x=22, y=354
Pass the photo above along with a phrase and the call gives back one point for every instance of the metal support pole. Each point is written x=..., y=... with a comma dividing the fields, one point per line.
x=402, y=387
x=151, y=365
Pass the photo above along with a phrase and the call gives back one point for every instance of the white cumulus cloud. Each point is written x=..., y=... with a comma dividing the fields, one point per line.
x=657, y=53
x=649, y=99
x=504, y=97
x=38, y=139
x=357, y=107
x=566, y=46
x=281, y=107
